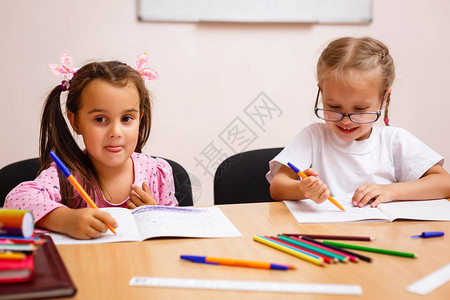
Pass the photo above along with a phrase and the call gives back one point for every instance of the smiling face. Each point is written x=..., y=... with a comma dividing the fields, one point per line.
x=340, y=97
x=108, y=120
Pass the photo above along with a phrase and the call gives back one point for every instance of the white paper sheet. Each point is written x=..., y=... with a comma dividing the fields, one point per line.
x=161, y=221
x=307, y=211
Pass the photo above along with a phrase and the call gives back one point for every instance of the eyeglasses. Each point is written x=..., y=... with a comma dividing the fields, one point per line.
x=335, y=116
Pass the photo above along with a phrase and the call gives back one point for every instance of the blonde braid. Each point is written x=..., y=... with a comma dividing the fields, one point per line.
x=386, y=111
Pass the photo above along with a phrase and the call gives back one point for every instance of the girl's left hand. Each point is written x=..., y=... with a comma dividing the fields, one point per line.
x=140, y=196
x=374, y=193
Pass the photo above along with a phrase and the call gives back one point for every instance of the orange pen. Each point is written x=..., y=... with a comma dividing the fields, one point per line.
x=303, y=176
x=76, y=185
x=236, y=262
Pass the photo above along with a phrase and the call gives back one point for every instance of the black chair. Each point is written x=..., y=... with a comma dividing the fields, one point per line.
x=241, y=178
x=25, y=170
x=15, y=173
x=183, y=189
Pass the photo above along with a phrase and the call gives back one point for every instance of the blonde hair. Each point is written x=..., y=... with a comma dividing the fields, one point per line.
x=349, y=59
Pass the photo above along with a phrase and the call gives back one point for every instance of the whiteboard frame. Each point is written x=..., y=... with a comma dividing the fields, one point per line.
x=256, y=11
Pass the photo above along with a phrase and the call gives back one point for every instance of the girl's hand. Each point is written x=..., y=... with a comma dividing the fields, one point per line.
x=139, y=197
x=87, y=223
x=313, y=188
x=375, y=193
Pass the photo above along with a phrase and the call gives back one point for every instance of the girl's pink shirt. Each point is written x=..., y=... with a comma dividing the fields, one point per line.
x=42, y=195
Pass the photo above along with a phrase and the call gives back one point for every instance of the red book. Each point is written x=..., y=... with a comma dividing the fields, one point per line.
x=16, y=270
x=50, y=279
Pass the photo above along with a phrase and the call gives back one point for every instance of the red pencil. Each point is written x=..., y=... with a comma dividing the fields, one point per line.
x=350, y=257
x=361, y=257
x=326, y=259
x=332, y=237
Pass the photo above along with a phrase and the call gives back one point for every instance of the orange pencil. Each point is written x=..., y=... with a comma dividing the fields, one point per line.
x=303, y=176
x=76, y=185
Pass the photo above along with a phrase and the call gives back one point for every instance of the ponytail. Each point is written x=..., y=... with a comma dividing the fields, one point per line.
x=386, y=110
x=56, y=136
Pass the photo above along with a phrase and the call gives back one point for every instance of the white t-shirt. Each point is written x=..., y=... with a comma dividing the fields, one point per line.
x=389, y=155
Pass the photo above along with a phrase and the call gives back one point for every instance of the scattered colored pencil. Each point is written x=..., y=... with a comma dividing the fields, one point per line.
x=286, y=249
x=332, y=237
x=369, y=249
x=326, y=259
x=303, y=176
x=324, y=247
x=361, y=257
x=283, y=243
x=314, y=248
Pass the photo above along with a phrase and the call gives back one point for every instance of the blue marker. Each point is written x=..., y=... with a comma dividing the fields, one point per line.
x=428, y=234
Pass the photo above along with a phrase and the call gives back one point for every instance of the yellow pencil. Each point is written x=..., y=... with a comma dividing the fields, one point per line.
x=303, y=176
x=12, y=255
x=317, y=261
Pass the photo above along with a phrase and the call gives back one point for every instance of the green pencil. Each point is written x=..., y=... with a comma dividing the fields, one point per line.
x=314, y=249
x=369, y=249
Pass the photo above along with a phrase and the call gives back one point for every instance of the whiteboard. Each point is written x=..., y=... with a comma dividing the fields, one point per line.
x=261, y=11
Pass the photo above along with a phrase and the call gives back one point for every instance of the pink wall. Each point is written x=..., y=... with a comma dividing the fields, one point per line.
x=209, y=73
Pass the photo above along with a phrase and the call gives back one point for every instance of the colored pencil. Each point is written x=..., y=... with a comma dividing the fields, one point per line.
x=291, y=251
x=303, y=176
x=357, y=255
x=370, y=249
x=22, y=240
x=314, y=248
x=18, y=247
x=282, y=243
x=332, y=237
x=236, y=262
x=76, y=185
x=326, y=259
x=324, y=247
x=12, y=255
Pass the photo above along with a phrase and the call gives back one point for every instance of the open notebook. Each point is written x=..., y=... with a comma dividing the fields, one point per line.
x=307, y=211
x=151, y=221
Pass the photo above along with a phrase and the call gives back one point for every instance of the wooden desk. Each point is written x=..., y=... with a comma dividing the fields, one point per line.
x=102, y=271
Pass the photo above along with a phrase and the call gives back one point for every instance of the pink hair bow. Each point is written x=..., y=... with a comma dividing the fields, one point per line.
x=66, y=68
x=140, y=66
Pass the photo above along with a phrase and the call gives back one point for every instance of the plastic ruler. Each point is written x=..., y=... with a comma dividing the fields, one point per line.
x=431, y=281
x=242, y=285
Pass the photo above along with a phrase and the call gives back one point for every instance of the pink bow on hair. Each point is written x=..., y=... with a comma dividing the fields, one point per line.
x=140, y=66
x=66, y=68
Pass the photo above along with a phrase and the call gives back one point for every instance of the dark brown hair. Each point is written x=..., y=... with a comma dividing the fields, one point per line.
x=56, y=136
x=347, y=57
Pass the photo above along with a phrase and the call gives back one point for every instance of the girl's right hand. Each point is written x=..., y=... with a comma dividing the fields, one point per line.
x=80, y=223
x=313, y=188
x=88, y=223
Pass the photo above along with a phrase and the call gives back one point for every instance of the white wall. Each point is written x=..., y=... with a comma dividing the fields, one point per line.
x=209, y=73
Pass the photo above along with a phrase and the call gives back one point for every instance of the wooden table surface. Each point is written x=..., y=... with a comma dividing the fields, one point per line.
x=102, y=271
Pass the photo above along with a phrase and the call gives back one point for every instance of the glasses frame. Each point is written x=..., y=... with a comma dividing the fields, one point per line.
x=343, y=115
